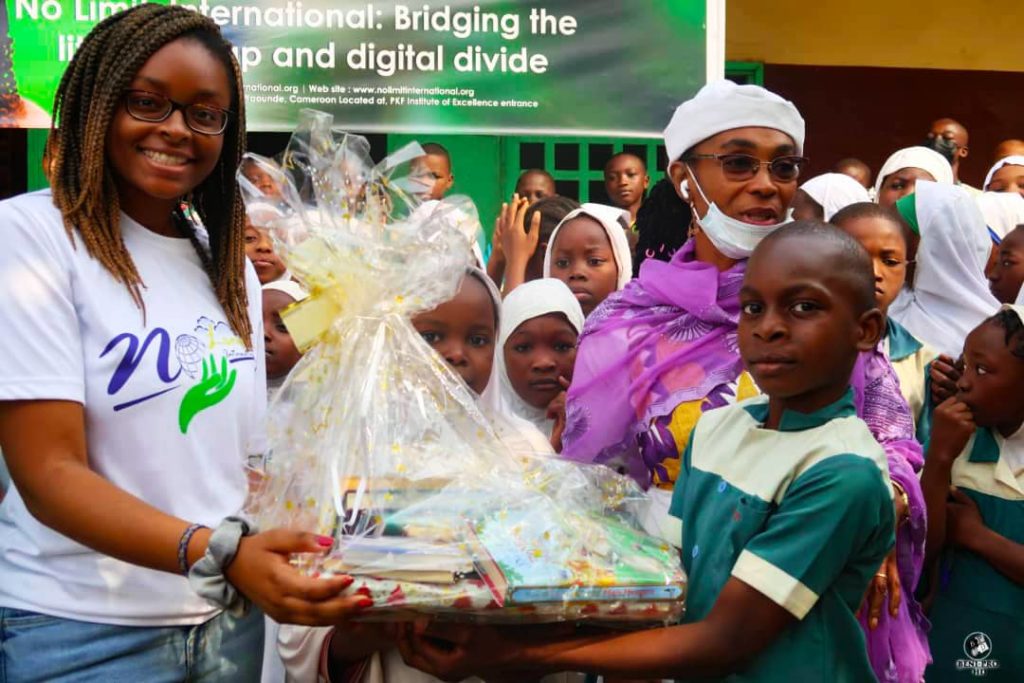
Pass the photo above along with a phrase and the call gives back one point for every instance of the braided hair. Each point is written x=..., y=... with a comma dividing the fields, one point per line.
x=87, y=99
x=663, y=224
x=1014, y=327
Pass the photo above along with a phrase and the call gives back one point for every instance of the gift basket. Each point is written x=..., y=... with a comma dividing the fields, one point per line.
x=377, y=443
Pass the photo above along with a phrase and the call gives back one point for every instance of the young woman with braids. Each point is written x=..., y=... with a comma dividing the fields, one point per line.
x=132, y=382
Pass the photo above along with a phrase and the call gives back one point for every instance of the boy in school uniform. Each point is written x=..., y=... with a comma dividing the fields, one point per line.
x=785, y=502
x=976, y=529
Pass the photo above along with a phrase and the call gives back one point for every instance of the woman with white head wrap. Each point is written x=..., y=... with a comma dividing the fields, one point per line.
x=663, y=350
x=948, y=295
x=523, y=426
x=735, y=160
x=1006, y=175
x=580, y=266
x=825, y=195
x=904, y=168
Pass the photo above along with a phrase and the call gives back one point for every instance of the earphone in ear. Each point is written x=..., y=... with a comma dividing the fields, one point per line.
x=684, y=189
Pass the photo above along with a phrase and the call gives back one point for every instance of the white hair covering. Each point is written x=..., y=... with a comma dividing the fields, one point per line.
x=289, y=287
x=950, y=295
x=1003, y=211
x=615, y=222
x=835, y=191
x=723, y=105
x=1012, y=160
x=522, y=427
x=492, y=291
x=915, y=157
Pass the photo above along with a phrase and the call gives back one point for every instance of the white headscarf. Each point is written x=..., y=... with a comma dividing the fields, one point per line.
x=950, y=295
x=615, y=222
x=1003, y=211
x=294, y=290
x=915, y=157
x=495, y=295
x=523, y=427
x=723, y=105
x=835, y=191
x=1013, y=160
x=289, y=287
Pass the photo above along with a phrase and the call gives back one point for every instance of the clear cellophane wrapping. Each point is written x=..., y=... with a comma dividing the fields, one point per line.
x=377, y=443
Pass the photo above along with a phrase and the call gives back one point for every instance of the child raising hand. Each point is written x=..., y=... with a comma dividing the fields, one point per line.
x=521, y=237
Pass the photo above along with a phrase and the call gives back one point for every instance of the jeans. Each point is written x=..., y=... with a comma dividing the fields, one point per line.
x=38, y=647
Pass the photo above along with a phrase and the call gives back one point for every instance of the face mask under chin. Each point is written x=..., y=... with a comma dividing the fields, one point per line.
x=732, y=237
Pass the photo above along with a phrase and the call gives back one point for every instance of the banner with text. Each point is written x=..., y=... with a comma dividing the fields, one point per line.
x=577, y=67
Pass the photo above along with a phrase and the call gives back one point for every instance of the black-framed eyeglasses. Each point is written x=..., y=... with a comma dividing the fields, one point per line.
x=783, y=169
x=154, y=108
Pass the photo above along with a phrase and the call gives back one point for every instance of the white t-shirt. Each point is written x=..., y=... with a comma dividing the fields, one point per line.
x=162, y=421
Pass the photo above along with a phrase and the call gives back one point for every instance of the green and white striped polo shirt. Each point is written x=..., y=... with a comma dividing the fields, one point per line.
x=803, y=514
x=978, y=614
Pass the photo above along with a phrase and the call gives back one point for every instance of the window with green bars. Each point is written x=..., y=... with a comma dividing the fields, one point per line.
x=576, y=164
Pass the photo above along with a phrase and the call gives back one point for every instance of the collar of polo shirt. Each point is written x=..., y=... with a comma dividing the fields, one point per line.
x=793, y=421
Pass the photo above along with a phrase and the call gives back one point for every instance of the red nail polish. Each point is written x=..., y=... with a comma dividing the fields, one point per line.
x=364, y=603
x=325, y=541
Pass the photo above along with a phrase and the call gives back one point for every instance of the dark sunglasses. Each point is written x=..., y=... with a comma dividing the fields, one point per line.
x=783, y=169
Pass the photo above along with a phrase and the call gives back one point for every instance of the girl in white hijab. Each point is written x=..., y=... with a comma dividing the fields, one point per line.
x=825, y=195
x=533, y=362
x=1010, y=180
x=591, y=265
x=904, y=168
x=949, y=295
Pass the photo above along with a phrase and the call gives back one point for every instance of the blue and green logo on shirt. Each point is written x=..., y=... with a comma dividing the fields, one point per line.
x=204, y=362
